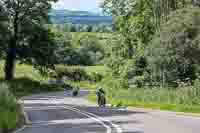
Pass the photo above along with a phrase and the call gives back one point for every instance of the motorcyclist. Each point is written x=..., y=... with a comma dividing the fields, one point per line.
x=75, y=91
x=101, y=96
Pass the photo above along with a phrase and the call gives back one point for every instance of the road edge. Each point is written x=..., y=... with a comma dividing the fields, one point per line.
x=25, y=117
x=150, y=110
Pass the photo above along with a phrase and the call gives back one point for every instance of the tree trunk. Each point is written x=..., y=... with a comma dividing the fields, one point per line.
x=10, y=60
x=11, y=53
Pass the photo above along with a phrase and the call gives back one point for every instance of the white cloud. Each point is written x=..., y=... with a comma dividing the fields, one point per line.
x=89, y=5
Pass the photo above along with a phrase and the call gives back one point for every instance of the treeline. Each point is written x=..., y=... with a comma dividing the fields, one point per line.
x=103, y=28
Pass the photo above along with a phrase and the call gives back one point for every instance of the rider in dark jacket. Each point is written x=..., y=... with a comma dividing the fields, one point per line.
x=99, y=94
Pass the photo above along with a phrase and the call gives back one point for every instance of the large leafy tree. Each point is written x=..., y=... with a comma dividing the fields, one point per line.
x=137, y=21
x=26, y=19
x=3, y=29
x=135, y=25
x=175, y=50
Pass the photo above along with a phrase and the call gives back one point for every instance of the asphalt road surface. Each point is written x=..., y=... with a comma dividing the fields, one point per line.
x=61, y=113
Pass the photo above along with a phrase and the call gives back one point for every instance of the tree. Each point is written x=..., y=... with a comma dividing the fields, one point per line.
x=135, y=25
x=73, y=28
x=89, y=28
x=66, y=27
x=90, y=49
x=23, y=17
x=175, y=50
x=64, y=49
x=3, y=29
x=196, y=2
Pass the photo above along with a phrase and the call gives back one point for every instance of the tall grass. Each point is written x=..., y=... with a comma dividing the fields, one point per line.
x=186, y=99
x=9, y=111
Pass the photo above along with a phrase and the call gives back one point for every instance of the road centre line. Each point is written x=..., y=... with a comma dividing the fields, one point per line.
x=108, y=128
x=91, y=115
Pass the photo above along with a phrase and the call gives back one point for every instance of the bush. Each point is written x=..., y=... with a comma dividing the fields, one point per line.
x=112, y=83
x=8, y=108
x=95, y=77
x=74, y=73
x=139, y=81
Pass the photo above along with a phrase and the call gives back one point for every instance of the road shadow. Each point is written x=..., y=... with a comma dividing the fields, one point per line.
x=107, y=111
x=65, y=128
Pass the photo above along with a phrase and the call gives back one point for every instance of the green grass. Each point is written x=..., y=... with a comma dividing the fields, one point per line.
x=103, y=70
x=82, y=85
x=174, y=99
x=180, y=100
x=186, y=99
x=9, y=109
x=22, y=71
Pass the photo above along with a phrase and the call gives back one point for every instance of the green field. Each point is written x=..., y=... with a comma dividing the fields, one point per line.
x=22, y=71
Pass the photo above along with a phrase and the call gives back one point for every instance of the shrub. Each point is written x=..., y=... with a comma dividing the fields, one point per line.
x=75, y=73
x=139, y=81
x=95, y=77
x=112, y=83
x=8, y=108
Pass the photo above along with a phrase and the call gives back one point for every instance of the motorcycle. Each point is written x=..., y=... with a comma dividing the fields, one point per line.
x=102, y=100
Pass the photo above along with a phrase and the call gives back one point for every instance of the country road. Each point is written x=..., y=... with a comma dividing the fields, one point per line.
x=61, y=113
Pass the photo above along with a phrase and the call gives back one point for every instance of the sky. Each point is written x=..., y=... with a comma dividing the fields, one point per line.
x=83, y=5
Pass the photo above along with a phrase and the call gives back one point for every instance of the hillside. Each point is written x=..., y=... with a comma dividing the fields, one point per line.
x=78, y=17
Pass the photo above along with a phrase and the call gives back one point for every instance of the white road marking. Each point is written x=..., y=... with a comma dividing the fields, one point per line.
x=96, y=118
x=91, y=115
x=108, y=128
x=19, y=130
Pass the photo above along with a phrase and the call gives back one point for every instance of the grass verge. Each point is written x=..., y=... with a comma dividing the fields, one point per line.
x=9, y=109
x=185, y=99
x=161, y=106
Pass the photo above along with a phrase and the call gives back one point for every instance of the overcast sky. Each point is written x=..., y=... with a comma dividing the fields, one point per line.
x=83, y=5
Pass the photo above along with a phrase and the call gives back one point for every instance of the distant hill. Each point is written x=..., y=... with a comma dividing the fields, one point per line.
x=78, y=17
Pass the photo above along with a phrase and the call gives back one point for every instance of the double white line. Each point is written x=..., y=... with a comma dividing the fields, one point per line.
x=98, y=119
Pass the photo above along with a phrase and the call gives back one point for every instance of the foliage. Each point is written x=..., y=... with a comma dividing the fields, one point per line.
x=137, y=21
x=25, y=22
x=101, y=28
x=72, y=73
x=133, y=20
x=90, y=49
x=175, y=49
x=8, y=109
x=78, y=73
x=139, y=81
x=181, y=100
